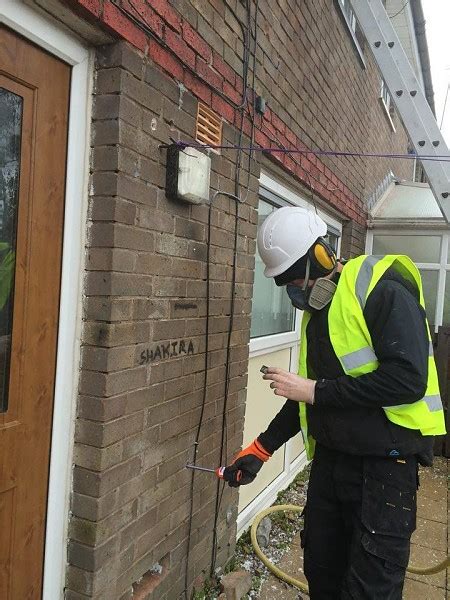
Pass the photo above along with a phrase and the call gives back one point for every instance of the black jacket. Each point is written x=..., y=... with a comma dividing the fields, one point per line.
x=347, y=414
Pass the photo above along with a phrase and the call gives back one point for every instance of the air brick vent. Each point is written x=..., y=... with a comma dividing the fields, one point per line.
x=209, y=127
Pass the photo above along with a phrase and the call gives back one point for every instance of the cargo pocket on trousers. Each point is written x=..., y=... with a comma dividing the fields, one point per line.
x=393, y=551
x=388, y=510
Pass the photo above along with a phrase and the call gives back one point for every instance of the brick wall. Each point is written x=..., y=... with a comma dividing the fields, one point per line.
x=145, y=292
x=143, y=343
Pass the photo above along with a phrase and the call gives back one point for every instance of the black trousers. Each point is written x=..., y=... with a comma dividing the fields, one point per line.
x=359, y=517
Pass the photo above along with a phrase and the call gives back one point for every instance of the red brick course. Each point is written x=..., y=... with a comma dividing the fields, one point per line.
x=216, y=75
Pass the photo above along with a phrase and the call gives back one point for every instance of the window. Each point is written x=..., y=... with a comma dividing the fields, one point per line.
x=388, y=103
x=272, y=311
x=275, y=333
x=349, y=14
x=353, y=27
x=421, y=248
x=333, y=239
x=446, y=315
x=430, y=280
x=431, y=253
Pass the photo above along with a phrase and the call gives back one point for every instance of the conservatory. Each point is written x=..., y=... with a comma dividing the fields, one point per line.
x=407, y=220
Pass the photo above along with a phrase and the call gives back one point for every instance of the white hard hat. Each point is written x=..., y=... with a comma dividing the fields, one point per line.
x=286, y=235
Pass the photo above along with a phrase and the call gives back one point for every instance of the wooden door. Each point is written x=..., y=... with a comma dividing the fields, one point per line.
x=34, y=98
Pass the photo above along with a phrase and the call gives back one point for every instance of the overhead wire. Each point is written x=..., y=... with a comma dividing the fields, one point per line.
x=282, y=149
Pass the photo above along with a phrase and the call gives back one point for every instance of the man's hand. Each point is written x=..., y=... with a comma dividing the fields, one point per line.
x=246, y=465
x=290, y=385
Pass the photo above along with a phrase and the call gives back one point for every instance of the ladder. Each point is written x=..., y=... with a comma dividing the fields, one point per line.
x=408, y=97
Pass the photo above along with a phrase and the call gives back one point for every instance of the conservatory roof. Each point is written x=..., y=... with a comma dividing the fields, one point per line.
x=407, y=200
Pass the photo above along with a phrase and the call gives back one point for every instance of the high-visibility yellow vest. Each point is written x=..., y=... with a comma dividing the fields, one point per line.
x=353, y=346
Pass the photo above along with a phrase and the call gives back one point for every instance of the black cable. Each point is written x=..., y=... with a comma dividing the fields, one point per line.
x=205, y=382
x=202, y=411
x=245, y=39
x=162, y=43
x=226, y=394
x=238, y=197
x=253, y=111
x=246, y=32
x=401, y=10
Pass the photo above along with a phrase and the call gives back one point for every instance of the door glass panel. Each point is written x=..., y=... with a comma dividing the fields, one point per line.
x=420, y=248
x=430, y=286
x=10, y=131
x=272, y=311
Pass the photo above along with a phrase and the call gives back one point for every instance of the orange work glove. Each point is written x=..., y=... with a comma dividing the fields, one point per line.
x=246, y=465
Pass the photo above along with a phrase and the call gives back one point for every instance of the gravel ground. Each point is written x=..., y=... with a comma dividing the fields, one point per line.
x=284, y=526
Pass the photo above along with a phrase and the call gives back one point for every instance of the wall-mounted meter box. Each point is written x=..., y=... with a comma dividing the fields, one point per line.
x=187, y=175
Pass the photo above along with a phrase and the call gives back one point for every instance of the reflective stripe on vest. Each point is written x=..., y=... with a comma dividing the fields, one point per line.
x=352, y=343
x=364, y=278
x=358, y=358
x=308, y=440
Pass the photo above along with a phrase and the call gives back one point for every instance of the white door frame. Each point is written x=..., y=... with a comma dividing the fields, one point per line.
x=49, y=35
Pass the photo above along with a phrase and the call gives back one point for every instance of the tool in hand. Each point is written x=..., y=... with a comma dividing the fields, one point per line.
x=219, y=471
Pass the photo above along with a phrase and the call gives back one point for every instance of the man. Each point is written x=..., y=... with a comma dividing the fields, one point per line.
x=368, y=400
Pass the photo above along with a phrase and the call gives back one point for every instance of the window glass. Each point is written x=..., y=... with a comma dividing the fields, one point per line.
x=446, y=315
x=448, y=251
x=387, y=98
x=10, y=130
x=420, y=248
x=332, y=240
x=430, y=287
x=349, y=13
x=272, y=311
x=352, y=23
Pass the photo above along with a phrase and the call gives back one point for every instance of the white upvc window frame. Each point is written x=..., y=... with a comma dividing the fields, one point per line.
x=273, y=191
x=56, y=39
x=387, y=104
x=278, y=194
x=442, y=267
x=351, y=22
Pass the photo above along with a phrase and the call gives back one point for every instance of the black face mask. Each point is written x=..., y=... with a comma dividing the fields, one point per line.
x=299, y=297
x=313, y=298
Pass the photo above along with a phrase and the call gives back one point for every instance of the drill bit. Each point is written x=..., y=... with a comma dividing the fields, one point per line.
x=200, y=468
x=219, y=471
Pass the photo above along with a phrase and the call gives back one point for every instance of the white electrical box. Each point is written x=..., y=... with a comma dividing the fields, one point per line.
x=188, y=175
